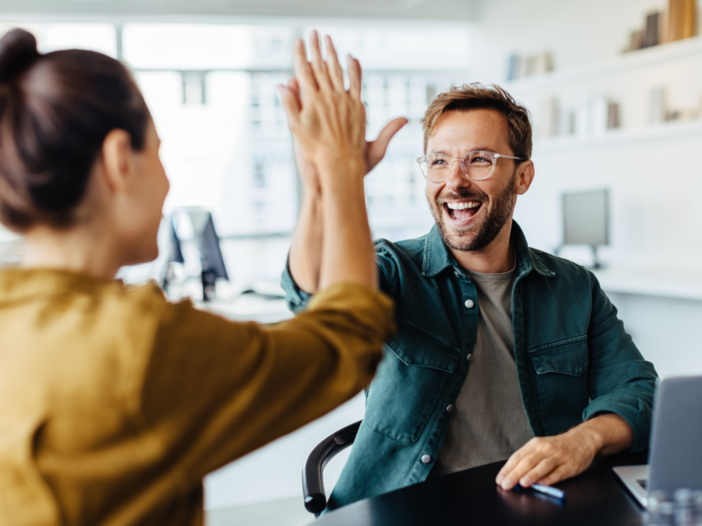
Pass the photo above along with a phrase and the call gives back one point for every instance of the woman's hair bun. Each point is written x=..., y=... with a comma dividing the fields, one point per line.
x=18, y=50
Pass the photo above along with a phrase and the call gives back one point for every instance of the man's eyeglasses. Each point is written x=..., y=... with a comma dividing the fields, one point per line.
x=478, y=165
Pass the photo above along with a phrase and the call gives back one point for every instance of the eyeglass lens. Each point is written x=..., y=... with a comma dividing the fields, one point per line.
x=476, y=165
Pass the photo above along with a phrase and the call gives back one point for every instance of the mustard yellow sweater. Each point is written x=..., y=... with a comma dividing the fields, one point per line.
x=114, y=403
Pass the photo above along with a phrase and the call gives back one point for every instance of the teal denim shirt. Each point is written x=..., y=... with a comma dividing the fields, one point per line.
x=574, y=358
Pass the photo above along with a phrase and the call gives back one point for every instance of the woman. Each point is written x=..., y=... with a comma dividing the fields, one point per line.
x=115, y=403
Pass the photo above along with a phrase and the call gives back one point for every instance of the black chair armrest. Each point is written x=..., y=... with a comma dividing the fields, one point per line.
x=312, y=481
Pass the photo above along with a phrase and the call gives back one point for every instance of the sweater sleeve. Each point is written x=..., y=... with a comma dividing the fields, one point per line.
x=215, y=390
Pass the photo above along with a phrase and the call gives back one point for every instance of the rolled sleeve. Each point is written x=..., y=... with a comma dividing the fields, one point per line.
x=295, y=297
x=621, y=381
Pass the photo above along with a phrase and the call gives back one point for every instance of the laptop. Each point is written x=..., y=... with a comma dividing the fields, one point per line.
x=675, y=458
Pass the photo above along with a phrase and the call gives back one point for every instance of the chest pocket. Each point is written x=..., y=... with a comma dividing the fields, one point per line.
x=409, y=382
x=562, y=382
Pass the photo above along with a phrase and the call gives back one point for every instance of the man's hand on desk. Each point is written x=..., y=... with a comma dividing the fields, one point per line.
x=548, y=460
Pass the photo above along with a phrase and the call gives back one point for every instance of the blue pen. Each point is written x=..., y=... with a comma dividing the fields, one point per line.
x=546, y=490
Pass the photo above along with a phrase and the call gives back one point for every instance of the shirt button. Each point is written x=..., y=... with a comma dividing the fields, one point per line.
x=426, y=459
x=469, y=358
x=449, y=408
x=470, y=304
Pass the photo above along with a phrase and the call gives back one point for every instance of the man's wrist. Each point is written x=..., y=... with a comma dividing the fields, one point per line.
x=590, y=434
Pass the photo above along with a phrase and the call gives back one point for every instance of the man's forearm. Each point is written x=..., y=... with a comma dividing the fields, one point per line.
x=306, y=249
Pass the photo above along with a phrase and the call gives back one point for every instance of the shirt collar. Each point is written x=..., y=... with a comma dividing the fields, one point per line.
x=438, y=257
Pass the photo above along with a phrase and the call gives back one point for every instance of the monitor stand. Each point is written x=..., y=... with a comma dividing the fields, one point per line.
x=209, y=277
x=595, y=259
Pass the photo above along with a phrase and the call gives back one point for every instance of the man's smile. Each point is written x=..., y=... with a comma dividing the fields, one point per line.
x=461, y=213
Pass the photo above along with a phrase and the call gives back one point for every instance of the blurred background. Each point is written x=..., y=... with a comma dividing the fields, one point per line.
x=614, y=88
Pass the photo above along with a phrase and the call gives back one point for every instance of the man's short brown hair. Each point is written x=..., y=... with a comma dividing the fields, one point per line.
x=476, y=96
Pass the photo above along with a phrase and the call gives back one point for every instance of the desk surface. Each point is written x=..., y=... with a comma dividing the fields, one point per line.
x=471, y=497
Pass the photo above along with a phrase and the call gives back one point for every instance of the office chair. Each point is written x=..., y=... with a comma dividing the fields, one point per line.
x=312, y=481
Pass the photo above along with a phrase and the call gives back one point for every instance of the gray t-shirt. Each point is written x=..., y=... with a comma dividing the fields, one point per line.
x=488, y=422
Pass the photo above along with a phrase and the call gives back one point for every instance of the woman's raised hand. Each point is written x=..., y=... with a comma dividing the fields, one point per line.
x=327, y=121
x=374, y=150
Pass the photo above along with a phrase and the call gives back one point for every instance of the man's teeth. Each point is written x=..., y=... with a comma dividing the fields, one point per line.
x=463, y=206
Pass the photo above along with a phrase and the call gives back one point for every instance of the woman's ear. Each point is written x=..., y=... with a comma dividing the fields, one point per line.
x=525, y=176
x=117, y=160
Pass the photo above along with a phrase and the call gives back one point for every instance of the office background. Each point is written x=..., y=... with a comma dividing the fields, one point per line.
x=630, y=122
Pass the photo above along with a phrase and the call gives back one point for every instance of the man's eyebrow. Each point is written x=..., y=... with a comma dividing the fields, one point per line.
x=483, y=148
x=479, y=148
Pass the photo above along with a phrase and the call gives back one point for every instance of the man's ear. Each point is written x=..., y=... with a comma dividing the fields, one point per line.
x=117, y=159
x=525, y=176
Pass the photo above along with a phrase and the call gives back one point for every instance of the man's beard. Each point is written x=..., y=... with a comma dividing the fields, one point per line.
x=485, y=231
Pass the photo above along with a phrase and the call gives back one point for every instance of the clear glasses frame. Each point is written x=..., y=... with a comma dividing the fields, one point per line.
x=473, y=164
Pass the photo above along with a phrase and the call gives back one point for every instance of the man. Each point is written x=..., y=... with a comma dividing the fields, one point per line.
x=502, y=351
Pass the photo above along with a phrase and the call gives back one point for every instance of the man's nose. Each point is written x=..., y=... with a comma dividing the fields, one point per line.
x=457, y=178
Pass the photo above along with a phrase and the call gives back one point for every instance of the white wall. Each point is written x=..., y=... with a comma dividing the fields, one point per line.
x=577, y=32
x=654, y=173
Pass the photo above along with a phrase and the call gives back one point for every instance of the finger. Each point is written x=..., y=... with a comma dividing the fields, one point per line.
x=318, y=65
x=539, y=471
x=512, y=462
x=377, y=148
x=294, y=88
x=557, y=475
x=354, y=67
x=303, y=71
x=290, y=105
x=523, y=467
x=335, y=72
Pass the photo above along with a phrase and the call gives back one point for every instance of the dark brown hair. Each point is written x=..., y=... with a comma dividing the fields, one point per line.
x=55, y=112
x=476, y=96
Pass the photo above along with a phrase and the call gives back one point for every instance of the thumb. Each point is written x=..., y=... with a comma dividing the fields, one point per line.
x=294, y=87
x=290, y=103
x=377, y=148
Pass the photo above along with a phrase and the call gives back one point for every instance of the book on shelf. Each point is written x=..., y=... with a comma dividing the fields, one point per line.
x=549, y=118
x=513, y=67
x=682, y=19
x=658, y=105
x=651, y=31
x=528, y=66
x=636, y=40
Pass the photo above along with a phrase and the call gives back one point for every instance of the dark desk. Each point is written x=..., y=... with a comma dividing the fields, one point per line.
x=471, y=498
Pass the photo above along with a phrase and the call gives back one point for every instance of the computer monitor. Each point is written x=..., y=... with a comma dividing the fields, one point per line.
x=206, y=240
x=586, y=219
x=172, y=248
x=211, y=259
x=175, y=252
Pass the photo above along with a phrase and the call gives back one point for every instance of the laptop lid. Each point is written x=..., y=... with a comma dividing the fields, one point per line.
x=676, y=444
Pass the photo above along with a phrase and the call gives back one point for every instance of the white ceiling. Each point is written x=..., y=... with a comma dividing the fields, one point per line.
x=455, y=10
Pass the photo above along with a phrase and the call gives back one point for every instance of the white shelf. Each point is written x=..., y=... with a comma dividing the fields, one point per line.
x=655, y=133
x=634, y=60
x=666, y=283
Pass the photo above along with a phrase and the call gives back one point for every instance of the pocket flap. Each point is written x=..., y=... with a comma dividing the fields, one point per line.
x=417, y=346
x=565, y=357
